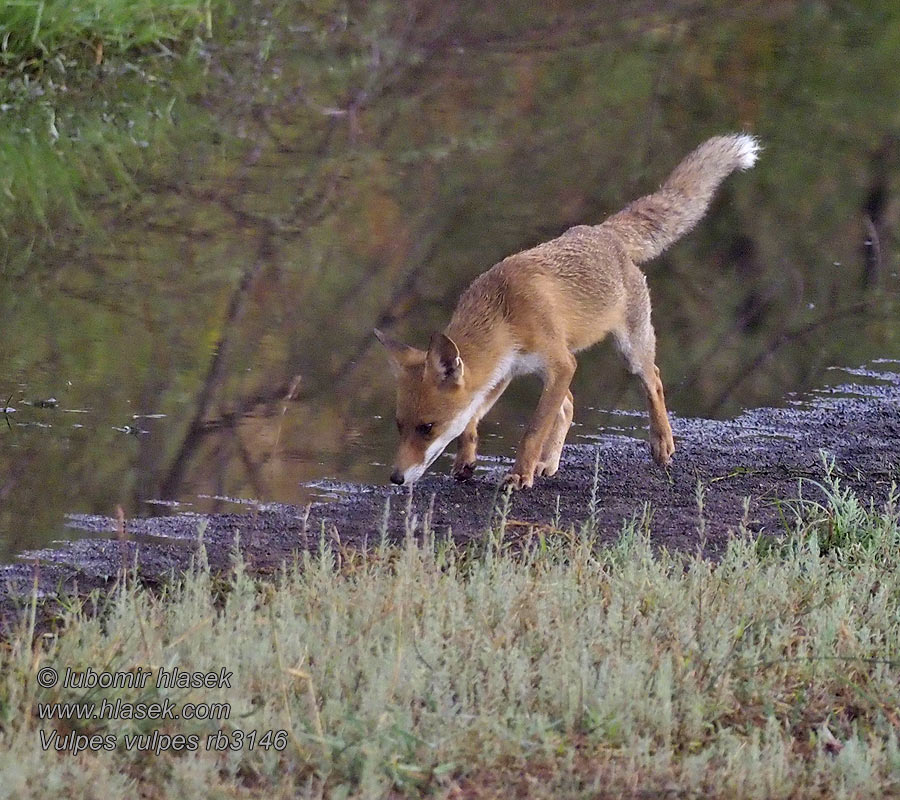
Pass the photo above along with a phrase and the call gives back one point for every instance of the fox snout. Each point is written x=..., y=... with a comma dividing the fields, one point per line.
x=410, y=473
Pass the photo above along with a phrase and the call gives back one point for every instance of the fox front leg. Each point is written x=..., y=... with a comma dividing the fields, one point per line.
x=467, y=447
x=556, y=390
x=466, y=452
x=553, y=444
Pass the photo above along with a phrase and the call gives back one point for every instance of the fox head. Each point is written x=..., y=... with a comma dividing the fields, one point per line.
x=433, y=404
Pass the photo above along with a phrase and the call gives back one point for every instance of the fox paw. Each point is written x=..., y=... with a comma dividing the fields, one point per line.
x=516, y=481
x=662, y=449
x=547, y=468
x=463, y=472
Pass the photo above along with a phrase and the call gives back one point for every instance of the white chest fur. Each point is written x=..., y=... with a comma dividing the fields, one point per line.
x=526, y=364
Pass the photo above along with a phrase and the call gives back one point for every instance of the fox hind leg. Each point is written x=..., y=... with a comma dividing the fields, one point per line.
x=637, y=343
x=662, y=445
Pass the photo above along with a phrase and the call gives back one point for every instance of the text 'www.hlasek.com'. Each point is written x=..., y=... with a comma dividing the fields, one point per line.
x=76, y=718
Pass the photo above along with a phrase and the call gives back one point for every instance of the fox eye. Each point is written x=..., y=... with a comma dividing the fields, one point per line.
x=424, y=429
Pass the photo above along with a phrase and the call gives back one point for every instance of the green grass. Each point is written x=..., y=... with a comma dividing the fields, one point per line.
x=87, y=89
x=55, y=155
x=531, y=665
x=33, y=32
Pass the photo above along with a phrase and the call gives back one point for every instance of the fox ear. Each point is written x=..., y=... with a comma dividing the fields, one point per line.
x=443, y=361
x=401, y=355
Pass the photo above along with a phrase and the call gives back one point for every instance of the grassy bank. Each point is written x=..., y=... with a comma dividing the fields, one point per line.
x=84, y=97
x=538, y=667
x=37, y=32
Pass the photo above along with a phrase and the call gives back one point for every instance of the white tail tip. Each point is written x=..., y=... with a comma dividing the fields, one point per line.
x=748, y=148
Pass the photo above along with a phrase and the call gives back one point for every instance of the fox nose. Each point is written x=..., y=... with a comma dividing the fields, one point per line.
x=397, y=477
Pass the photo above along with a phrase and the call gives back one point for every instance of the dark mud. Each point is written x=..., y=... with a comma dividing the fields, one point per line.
x=766, y=456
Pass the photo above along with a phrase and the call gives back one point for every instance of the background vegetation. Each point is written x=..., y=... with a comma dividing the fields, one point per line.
x=73, y=78
x=35, y=32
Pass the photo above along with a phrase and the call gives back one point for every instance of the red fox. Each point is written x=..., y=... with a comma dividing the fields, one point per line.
x=534, y=309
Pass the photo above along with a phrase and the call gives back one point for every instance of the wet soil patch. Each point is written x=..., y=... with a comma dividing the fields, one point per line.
x=749, y=469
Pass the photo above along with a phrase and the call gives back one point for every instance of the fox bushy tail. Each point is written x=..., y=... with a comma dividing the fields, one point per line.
x=650, y=224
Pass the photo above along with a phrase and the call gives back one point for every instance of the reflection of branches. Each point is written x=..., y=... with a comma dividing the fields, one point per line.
x=586, y=31
x=214, y=374
x=220, y=463
x=304, y=214
x=426, y=244
x=782, y=339
x=99, y=299
x=871, y=253
x=723, y=340
x=252, y=470
x=654, y=102
x=397, y=306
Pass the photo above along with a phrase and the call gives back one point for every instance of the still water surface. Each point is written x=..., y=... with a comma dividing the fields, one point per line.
x=209, y=336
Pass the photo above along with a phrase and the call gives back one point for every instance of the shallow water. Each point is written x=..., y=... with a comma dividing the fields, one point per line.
x=326, y=175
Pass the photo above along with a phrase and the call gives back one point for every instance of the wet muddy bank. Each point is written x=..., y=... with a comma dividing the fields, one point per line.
x=746, y=468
